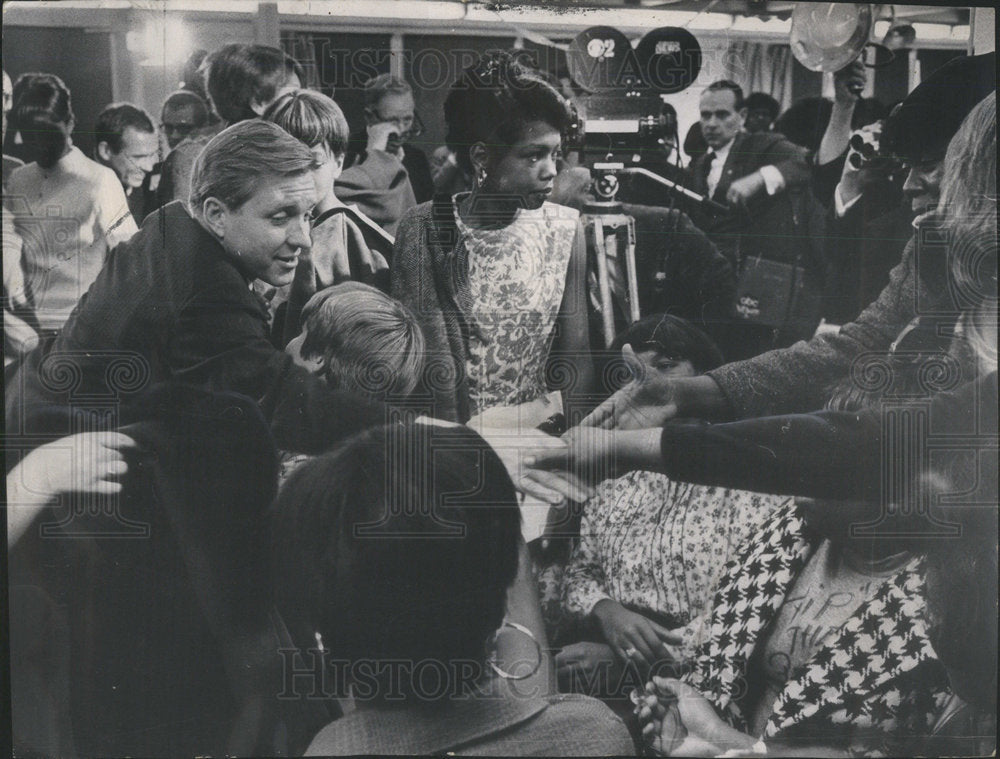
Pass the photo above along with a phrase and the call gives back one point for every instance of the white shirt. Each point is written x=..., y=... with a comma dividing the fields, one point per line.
x=773, y=181
x=840, y=205
x=715, y=169
x=68, y=217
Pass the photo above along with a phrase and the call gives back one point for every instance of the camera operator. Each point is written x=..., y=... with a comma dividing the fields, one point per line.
x=792, y=380
x=873, y=211
x=864, y=240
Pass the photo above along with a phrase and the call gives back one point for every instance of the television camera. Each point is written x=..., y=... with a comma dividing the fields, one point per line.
x=624, y=128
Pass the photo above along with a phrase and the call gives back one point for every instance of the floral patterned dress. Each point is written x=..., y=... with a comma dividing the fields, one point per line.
x=517, y=275
x=659, y=546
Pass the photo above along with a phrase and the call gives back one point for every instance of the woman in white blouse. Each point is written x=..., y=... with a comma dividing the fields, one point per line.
x=68, y=210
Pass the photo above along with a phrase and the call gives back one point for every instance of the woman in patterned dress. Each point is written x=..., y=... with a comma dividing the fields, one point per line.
x=496, y=276
x=651, y=549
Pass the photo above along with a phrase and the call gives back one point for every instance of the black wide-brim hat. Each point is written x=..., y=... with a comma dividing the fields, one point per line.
x=921, y=127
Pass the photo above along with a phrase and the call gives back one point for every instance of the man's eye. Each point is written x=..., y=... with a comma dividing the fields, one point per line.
x=280, y=218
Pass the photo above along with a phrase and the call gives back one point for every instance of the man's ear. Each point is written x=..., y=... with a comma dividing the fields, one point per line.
x=479, y=155
x=743, y=116
x=104, y=151
x=215, y=214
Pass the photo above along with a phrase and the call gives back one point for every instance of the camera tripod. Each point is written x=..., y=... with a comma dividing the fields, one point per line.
x=610, y=235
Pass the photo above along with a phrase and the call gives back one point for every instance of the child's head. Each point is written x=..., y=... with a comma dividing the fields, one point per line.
x=670, y=345
x=359, y=339
x=314, y=119
x=505, y=125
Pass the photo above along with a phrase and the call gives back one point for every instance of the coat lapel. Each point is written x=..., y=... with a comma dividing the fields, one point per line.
x=733, y=167
x=886, y=637
x=745, y=604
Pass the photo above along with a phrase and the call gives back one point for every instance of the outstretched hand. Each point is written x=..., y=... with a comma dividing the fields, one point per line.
x=647, y=401
x=591, y=455
x=89, y=462
x=518, y=451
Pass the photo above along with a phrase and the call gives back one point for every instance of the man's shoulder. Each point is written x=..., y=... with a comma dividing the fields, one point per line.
x=773, y=143
x=20, y=176
x=375, y=168
x=760, y=138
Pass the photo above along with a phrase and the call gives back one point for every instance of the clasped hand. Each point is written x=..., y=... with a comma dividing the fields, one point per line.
x=677, y=720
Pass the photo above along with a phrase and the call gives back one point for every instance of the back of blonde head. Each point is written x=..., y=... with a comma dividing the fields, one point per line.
x=969, y=211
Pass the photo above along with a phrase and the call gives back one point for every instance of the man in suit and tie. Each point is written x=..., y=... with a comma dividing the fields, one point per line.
x=764, y=179
x=749, y=172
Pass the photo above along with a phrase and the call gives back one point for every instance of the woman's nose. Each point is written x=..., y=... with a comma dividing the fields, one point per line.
x=914, y=182
x=548, y=168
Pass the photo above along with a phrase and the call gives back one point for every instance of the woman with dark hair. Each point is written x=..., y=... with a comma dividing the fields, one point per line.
x=61, y=254
x=426, y=655
x=496, y=276
x=651, y=549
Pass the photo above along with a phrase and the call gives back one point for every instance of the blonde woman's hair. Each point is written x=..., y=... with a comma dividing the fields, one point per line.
x=968, y=209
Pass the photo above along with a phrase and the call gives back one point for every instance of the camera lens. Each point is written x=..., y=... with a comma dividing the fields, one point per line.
x=857, y=141
x=856, y=161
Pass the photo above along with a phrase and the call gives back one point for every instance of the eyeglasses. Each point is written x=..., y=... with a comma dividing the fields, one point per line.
x=409, y=128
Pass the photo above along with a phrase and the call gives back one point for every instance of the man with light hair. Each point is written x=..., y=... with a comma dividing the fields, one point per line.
x=177, y=296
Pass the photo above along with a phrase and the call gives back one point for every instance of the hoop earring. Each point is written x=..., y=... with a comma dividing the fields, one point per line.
x=492, y=645
x=481, y=180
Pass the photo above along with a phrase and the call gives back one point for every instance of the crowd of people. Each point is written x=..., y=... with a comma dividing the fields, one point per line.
x=315, y=446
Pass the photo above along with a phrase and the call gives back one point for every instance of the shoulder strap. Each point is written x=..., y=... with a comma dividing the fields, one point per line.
x=364, y=222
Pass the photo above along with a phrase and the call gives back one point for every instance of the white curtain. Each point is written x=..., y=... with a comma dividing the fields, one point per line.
x=758, y=67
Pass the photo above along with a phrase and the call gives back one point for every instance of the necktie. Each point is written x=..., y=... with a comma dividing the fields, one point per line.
x=709, y=160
